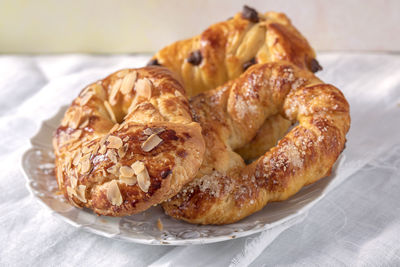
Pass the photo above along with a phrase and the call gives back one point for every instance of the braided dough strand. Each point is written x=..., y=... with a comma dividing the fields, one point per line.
x=225, y=189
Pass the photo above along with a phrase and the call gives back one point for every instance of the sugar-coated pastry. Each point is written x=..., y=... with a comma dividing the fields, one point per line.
x=127, y=142
x=225, y=189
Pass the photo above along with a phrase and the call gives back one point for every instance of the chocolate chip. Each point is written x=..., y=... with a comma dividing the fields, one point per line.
x=249, y=63
x=314, y=65
x=165, y=173
x=195, y=58
x=153, y=62
x=250, y=14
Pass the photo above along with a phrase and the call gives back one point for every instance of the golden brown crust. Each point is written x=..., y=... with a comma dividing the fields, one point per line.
x=226, y=49
x=127, y=142
x=225, y=189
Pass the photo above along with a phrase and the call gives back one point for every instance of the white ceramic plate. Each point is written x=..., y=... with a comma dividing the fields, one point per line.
x=38, y=166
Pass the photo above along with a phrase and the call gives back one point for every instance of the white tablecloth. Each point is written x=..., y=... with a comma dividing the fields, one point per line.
x=356, y=223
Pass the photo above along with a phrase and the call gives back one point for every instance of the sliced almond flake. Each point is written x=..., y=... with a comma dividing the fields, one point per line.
x=70, y=191
x=113, y=193
x=143, y=88
x=112, y=155
x=60, y=176
x=75, y=135
x=158, y=130
x=126, y=171
x=114, y=128
x=110, y=111
x=148, y=131
x=102, y=149
x=138, y=167
x=132, y=107
x=113, y=170
x=77, y=158
x=85, y=97
x=153, y=141
x=84, y=124
x=80, y=193
x=86, y=148
x=122, y=73
x=128, y=82
x=122, y=151
x=126, y=138
x=114, y=142
x=114, y=91
x=85, y=163
x=95, y=149
x=74, y=182
x=76, y=118
x=143, y=179
x=128, y=180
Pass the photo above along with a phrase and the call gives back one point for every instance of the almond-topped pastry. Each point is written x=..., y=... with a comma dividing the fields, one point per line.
x=226, y=49
x=127, y=142
x=225, y=189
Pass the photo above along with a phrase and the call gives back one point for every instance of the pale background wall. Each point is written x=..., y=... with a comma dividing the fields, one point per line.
x=126, y=26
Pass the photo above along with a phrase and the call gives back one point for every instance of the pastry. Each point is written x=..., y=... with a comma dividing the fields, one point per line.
x=127, y=142
x=225, y=189
x=226, y=49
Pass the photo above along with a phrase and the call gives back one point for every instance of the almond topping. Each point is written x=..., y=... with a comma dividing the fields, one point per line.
x=112, y=155
x=75, y=135
x=126, y=138
x=77, y=158
x=86, y=148
x=143, y=88
x=76, y=118
x=103, y=149
x=122, y=151
x=151, y=142
x=85, y=98
x=71, y=192
x=113, y=170
x=113, y=193
x=114, y=142
x=128, y=180
x=74, y=182
x=60, y=176
x=148, y=131
x=114, y=91
x=126, y=171
x=80, y=193
x=95, y=149
x=114, y=128
x=85, y=162
x=110, y=111
x=84, y=124
x=128, y=82
x=143, y=179
x=138, y=167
